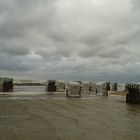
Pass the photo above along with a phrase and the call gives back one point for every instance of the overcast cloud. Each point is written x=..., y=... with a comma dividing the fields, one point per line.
x=70, y=39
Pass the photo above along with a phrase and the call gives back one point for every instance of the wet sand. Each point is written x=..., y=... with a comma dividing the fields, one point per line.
x=44, y=116
x=121, y=93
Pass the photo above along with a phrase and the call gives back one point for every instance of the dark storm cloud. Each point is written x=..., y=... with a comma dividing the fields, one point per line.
x=70, y=39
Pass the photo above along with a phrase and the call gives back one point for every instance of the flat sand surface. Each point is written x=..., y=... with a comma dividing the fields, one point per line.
x=28, y=116
x=121, y=93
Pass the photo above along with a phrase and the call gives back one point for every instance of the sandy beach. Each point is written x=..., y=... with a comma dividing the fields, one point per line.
x=55, y=117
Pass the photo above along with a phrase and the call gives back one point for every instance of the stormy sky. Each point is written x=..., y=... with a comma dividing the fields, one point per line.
x=92, y=40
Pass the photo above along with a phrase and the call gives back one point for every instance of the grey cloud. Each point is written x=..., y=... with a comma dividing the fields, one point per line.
x=67, y=39
x=14, y=47
x=15, y=50
x=105, y=52
x=54, y=52
x=12, y=64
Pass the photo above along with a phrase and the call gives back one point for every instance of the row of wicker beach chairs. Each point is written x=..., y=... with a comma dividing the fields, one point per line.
x=77, y=88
